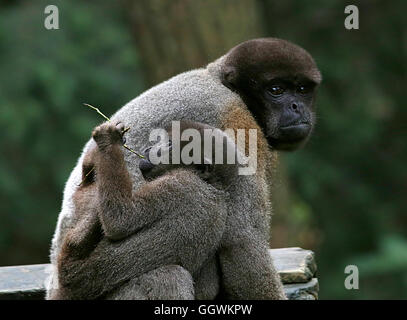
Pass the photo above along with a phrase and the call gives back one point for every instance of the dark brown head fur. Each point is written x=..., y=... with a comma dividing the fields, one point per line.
x=277, y=80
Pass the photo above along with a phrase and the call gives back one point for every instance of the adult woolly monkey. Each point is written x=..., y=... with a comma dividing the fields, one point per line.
x=265, y=84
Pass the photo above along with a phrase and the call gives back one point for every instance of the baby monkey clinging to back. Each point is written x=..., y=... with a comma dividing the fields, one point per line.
x=108, y=210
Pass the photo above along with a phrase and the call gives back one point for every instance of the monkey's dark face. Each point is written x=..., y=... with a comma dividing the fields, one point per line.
x=283, y=108
x=151, y=171
x=277, y=80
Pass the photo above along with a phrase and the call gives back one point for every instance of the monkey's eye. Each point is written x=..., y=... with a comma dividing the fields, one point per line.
x=303, y=89
x=276, y=90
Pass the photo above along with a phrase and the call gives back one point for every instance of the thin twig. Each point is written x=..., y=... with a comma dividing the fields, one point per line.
x=104, y=116
x=97, y=110
x=124, y=131
x=124, y=145
x=131, y=150
x=90, y=171
x=86, y=175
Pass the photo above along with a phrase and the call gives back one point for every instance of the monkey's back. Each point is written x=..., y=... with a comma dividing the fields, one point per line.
x=196, y=95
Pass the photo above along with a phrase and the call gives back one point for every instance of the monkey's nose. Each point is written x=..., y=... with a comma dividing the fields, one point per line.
x=145, y=166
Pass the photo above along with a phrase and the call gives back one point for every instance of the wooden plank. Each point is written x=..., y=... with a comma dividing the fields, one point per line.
x=296, y=267
x=23, y=282
x=302, y=291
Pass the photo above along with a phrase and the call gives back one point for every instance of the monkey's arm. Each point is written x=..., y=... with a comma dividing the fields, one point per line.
x=248, y=271
x=247, y=268
x=121, y=211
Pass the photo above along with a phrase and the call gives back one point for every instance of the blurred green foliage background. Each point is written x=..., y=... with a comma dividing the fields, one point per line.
x=343, y=196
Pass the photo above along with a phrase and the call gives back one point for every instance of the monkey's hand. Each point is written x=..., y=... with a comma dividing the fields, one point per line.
x=108, y=134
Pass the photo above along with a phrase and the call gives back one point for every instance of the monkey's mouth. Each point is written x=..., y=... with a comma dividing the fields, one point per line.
x=291, y=136
x=295, y=132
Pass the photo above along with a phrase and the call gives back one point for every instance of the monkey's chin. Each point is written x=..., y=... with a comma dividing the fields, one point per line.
x=287, y=145
x=291, y=137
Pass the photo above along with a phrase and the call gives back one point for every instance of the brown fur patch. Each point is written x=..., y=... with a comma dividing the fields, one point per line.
x=238, y=117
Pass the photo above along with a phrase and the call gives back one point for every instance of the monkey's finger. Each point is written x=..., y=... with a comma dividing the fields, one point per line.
x=120, y=127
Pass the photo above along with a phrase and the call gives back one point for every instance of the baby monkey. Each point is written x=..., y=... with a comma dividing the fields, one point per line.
x=166, y=229
x=205, y=164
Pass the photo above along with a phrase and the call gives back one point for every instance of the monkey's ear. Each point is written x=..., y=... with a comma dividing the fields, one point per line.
x=229, y=77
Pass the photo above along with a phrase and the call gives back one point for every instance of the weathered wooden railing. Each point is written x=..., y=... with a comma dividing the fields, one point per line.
x=296, y=267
